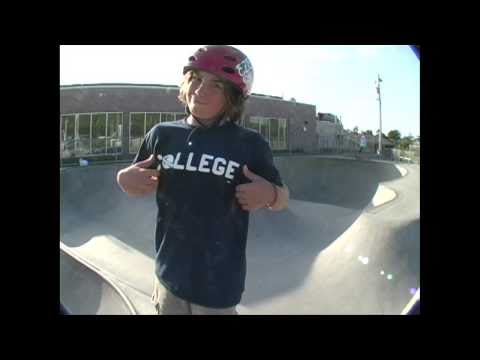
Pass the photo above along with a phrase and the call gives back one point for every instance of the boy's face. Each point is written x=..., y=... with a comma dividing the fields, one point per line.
x=205, y=95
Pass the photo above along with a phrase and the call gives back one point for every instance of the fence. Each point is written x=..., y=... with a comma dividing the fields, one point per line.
x=82, y=146
x=337, y=144
x=410, y=155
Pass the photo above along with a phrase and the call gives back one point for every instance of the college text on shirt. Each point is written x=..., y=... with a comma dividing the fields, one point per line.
x=208, y=164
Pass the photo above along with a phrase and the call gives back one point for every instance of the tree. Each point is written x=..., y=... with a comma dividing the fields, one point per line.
x=405, y=142
x=355, y=130
x=369, y=132
x=395, y=136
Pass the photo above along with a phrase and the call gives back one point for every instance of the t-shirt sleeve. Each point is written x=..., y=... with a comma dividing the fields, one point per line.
x=262, y=162
x=147, y=147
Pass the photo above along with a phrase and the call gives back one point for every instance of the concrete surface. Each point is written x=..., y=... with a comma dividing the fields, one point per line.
x=87, y=290
x=349, y=243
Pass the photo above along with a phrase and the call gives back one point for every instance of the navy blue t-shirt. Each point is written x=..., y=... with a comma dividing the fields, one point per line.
x=201, y=234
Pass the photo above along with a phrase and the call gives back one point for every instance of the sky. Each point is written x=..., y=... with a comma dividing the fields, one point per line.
x=337, y=79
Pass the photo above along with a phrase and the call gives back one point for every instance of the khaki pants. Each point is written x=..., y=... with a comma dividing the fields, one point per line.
x=168, y=304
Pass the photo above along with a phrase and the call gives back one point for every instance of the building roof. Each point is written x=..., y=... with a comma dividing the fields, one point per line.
x=117, y=85
x=153, y=86
x=126, y=97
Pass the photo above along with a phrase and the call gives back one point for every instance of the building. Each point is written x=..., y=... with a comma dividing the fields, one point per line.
x=387, y=145
x=105, y=120
x=329, y=132
x=332, y=137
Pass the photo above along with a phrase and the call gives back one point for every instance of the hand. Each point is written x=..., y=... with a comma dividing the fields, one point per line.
x=255, y=195
x=137, y=180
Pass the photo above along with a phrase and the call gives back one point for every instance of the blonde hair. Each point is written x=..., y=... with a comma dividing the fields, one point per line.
x=235, y=101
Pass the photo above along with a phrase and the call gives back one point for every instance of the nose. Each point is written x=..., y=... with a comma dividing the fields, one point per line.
x=202, y=89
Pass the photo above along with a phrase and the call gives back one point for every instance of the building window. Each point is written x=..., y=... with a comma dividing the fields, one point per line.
x=137, y=131
x=142, y=123
x=274, y=130
x=253, y=123
x=167, y=117
x=152, y=119
x=114, y=133
x=67, y=136
x=265, y=128
x=179, y=116
x=282, y=134
x=83, y=134
x=99, y=133
x=91, y=133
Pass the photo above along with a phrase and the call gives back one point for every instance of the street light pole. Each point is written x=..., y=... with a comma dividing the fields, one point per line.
x=380, y=112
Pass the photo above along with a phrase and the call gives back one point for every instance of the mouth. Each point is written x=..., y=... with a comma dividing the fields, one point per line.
x=197, y=102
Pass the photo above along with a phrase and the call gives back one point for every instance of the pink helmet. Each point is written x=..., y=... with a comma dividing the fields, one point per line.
x=225, y=62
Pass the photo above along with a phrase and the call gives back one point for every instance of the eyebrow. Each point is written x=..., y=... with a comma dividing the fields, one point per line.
x=198, y=74
x=217, y=81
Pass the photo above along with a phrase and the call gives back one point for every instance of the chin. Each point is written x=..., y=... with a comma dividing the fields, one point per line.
x=206, y=118
x=202, y=114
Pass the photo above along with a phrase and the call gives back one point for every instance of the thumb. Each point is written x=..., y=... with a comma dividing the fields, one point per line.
x=248, y=174
x=145, y=163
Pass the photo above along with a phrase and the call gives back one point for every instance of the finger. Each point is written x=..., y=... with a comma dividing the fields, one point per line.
x=151, y=183
x=153, y=178
x=148, y=179
x=249, y=174
x=241, y=197
x=144, y=187
x=148, y=172
x=243, y=202
x=239, y=187
x=144, y=190
x=148, y=182
x=145, y=163
x=242, y=189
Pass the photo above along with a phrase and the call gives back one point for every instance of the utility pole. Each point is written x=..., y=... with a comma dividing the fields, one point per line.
x=380, y=112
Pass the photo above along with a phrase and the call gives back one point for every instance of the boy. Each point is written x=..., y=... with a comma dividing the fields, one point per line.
x=208, y=173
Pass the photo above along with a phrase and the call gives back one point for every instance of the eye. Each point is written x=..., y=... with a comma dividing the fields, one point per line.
x=195, y=78
x=219, y=85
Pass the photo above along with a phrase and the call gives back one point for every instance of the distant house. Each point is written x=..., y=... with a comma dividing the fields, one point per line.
x=331, y=135
x=372, y=142
x=415, y=144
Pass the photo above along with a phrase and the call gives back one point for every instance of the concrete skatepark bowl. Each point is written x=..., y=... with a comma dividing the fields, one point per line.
x=349, y=242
